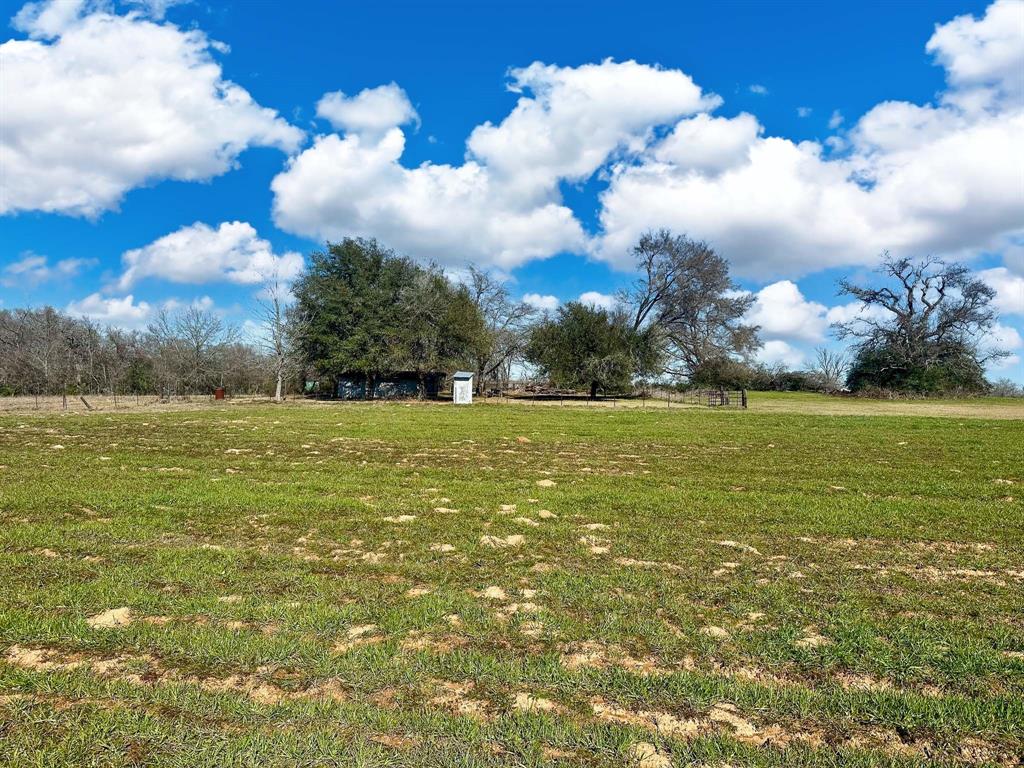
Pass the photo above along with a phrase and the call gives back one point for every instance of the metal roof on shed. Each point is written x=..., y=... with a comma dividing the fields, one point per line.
x=462, y=375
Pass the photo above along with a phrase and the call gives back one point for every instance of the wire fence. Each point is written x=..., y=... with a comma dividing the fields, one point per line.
x=707, y=398
x=715, y=398
x=104, y=402
x=662, y=398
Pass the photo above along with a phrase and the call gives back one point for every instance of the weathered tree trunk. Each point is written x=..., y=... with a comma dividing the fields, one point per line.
x=280, y=383
x=593, y=390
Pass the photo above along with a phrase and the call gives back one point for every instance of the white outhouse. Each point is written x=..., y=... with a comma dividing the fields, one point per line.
x=462, y=388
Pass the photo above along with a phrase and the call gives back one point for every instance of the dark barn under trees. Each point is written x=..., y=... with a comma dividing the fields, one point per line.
x=392, y=386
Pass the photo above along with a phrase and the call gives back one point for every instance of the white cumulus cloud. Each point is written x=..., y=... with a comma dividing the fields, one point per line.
x=372, y=110
x=984, y=53
x=776, y=351
x=502, y=206
x=783, y=312
x=96, y=104
x=198, y=253
x=856, y=310
x=1005, y=337
x=123, y=312
x=1009, y=289
x=598, y=300
x=543, y=302
x=709, y=144
x=914, y=179
x=33, y=269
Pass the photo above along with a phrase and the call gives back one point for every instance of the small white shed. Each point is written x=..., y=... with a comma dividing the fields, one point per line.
x=462, y=388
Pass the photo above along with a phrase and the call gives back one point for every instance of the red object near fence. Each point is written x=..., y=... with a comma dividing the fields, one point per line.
x=218, y=393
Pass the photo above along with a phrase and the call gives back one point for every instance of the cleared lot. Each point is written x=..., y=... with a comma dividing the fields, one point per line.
x=506, y=585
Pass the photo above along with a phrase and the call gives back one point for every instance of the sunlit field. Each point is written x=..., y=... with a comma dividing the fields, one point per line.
x=507, y=585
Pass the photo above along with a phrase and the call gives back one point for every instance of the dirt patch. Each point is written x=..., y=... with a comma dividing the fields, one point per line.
x=111, y=619
x=257, y=690
x=862, y=682
x=974, y=750
x=938, y=575
x=363, y=634
x=127, y=667
x=660, y=722
x=889, y=545
x=728, y=714
x=527, y=702
x=596, y=544
x=533, y=629
x=645, y=755
x=600, y=656
x=513, y=608
x=455, y=697
x=503, y=542
x=715, y=632
x=722, y=717
x=630, y=562
x=40, y=659
x=738, y=545
x=811, y=639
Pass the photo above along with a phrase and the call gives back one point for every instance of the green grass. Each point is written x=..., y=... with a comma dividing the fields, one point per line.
x=895, y=543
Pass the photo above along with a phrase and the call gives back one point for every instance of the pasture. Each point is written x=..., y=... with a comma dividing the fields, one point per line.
x=505, y=585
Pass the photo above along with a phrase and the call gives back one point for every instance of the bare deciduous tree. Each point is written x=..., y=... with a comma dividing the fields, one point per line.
x=685, y=293
x=830, y=369
x=44, y=351
x=186, y=343
x=275, y=341
x=508, y=327
x=929, y=313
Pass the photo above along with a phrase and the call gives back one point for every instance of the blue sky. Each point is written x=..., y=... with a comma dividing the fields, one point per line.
x=799, y=138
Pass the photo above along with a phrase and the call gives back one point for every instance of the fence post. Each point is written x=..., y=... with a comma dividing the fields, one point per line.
x=743, y=398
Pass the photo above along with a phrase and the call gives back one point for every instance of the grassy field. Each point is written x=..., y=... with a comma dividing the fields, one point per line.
x=380, y=585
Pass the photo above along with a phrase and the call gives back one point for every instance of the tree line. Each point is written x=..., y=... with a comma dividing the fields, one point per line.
x=361, y=309
x=181, y=353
